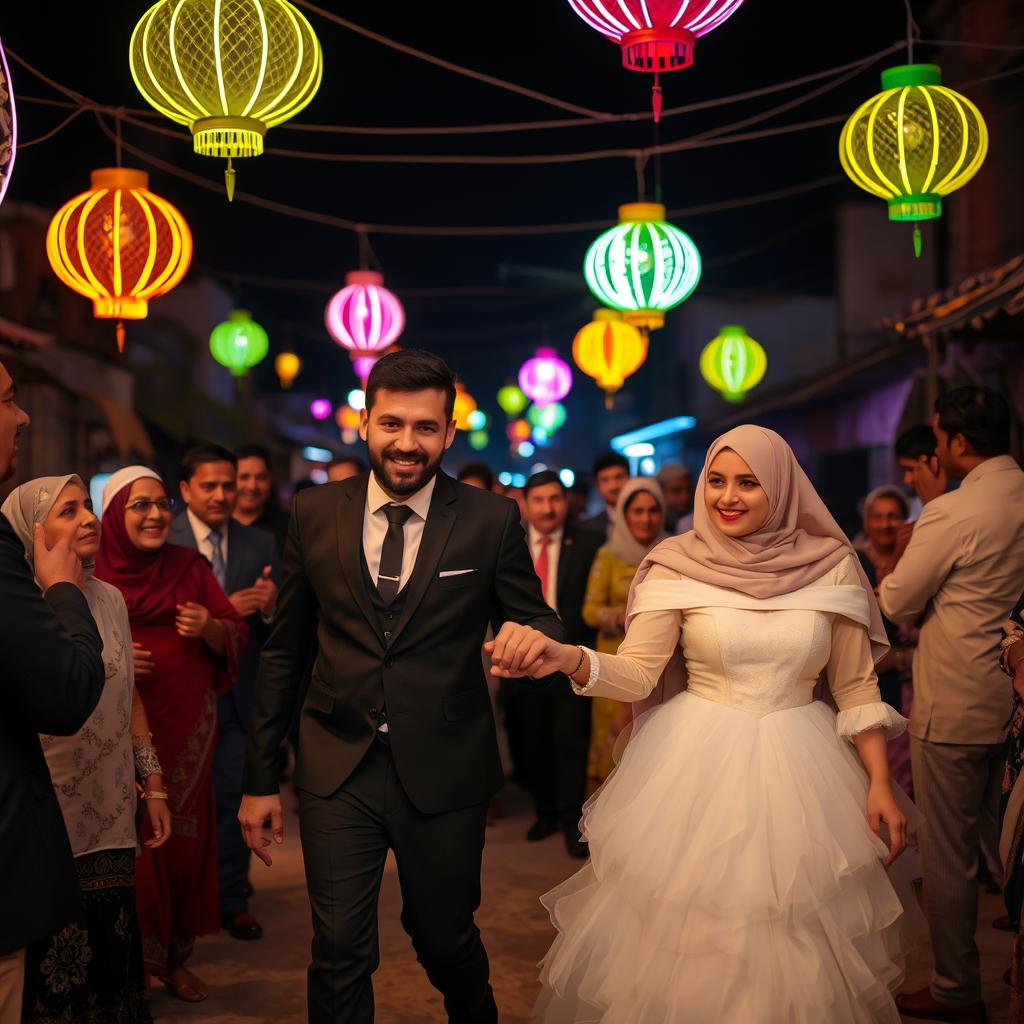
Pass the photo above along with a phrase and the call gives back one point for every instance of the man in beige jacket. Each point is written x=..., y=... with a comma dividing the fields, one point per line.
x=962, y=573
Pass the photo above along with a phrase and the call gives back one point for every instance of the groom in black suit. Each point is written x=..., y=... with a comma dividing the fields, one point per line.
x=394, y=576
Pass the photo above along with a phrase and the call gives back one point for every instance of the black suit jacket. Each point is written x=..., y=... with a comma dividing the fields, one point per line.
x=52, y=679
x=575, y=557
x=597, y=523
x=428, y=673
x=249, y=550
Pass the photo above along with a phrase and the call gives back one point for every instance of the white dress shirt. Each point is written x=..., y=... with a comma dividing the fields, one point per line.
x=375, y=527
x=554, y=549
x=201, y=532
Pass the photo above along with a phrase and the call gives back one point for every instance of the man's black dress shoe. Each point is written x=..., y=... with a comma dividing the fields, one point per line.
x=541, y=829
x=241, y=926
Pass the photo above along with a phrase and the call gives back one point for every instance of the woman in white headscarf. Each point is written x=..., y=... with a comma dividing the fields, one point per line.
x=91, y=971
x=738, y=870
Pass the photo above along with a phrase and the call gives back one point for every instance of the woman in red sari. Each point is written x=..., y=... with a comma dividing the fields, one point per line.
x=187, y=639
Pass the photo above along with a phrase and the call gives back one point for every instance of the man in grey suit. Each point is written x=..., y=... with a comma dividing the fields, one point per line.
x=244, y=560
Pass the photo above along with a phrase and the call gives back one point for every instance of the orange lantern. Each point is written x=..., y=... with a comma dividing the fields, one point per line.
x=347, y=418
x=465, y=406
x=609, y=350
x=119, y=245
x=287, y=366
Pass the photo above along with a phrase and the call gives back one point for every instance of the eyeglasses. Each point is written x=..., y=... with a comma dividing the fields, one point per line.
x=144, y=506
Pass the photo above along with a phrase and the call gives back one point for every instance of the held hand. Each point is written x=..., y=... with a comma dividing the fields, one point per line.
x=523, y=651
x=266, y=588
x=246, y=602
x=158, y=814
x=58, y=564
x=253, y=816
x=882, y=808
x=143, y=661
x=929, y=479
x=1018, y=677
x=193, y=619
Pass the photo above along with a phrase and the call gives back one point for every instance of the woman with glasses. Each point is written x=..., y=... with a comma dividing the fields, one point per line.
x=187, y=639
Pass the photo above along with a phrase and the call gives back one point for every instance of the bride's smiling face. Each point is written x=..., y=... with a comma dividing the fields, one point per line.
x=735, y=499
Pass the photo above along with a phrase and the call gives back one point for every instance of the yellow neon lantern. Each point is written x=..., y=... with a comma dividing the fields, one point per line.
x=119, y=245
x=609, y=350
x=733, y=363
x=229, y=69
x=465, y=406
x=287, y=366
x=913, y=143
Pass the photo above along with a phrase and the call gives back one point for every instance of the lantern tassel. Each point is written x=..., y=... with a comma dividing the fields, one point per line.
x=119, y=334
x=656, y=99
x=917, y=240
x=229, y=180
x=609, y=400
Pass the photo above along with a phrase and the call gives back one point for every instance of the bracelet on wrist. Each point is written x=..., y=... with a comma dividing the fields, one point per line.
x=579, y=664
x=154, y=794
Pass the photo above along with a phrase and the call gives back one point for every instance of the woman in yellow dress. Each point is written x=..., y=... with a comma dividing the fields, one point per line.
x=639, y=526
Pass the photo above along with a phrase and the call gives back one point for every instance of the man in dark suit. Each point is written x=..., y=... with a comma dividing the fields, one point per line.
x=395, y=575
x=556, y=728
x=611, y=474
x=244, y=560
x=256, y=505
x=52, y=676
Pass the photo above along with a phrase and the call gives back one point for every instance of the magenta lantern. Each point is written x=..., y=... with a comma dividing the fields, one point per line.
x=363, y=365
x=545, y=378
x=364, y=316
x=320, y=408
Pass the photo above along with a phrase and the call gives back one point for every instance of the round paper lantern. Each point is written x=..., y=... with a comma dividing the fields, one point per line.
x=643, y=266
x=239, y=343
x=8, y=125
x=549, y=418
x=287, y=366
x=477, y=420
x=655, y=35
x=479, y=440
x=320, y=408
x=518, y=430
x=228, y=69
x=545, y=378
x=465, y=406
x=347, y=418
x=364, y=316
x=733, y=363
x=511, y=400
x=913, y=143
x=119, y=245
x=609, y=350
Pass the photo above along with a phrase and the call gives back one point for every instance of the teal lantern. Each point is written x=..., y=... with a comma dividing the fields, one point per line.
x=643, y=266
x=550, y=418
x=239, y=343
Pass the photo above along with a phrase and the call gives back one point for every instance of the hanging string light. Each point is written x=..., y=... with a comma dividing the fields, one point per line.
x=913, y=143
x=643, y=266
x=655, y=35
x=229, y=69
x=733, y=363
x=609, y=350
x=8, y=125
x=239, y=343
x=287, y=366
x=120, y=245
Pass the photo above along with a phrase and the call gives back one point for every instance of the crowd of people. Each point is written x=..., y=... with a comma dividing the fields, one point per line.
x=133, y=635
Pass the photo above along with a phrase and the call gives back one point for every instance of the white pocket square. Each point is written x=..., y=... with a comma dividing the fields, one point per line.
x=454, y=572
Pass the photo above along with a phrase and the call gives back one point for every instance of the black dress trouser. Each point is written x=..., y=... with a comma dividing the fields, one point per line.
x=345, y=841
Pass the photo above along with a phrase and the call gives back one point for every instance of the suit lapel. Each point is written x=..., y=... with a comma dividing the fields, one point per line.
x=181, y=533
x=238, y=569
x=351, y=509
x=436, y=531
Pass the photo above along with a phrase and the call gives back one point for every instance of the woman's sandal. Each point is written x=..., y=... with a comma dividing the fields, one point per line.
x=185, y=989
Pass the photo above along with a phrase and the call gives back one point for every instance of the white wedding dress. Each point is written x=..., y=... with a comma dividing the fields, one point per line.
x=733, y=876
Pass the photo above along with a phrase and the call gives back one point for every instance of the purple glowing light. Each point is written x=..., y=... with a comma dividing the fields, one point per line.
x=363, y=365
x=364, y=316
x=320, y=408
x=545, y=378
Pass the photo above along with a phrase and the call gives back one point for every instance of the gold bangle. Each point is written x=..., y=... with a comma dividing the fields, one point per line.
x=154, y=794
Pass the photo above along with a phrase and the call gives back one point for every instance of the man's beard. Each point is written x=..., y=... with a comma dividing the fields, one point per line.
x=403, y=488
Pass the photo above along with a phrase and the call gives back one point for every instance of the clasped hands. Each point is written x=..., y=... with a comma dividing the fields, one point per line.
x=524, y=651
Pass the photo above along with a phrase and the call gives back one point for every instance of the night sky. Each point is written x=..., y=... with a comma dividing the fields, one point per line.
x=786, y=245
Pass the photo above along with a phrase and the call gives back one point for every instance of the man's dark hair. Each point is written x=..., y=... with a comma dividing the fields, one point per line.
x=201, y=455
x=412, y=369
x=545, y=476
x=253, y=451
x=915, y=443
x=981, y=415
x=477, y=471
x=610, y=460
x=346, y=460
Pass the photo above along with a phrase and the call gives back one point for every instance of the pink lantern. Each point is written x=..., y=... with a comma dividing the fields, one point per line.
x=364, y=316
x=545, y=378
x=363, y=365
x=320, y=408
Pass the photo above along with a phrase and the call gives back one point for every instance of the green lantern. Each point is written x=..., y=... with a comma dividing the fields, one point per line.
x=643, y=266
x=512, y=400
x=733, y=363
x=479, y=440
x=549, y=418
x=239, y=343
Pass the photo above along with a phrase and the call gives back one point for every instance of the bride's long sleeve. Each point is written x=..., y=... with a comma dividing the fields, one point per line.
x=649, y=643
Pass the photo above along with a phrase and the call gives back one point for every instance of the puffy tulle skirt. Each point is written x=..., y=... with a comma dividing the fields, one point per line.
x=733, y=878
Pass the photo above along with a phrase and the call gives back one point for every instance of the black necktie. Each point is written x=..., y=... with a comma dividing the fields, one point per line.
x=390, y=573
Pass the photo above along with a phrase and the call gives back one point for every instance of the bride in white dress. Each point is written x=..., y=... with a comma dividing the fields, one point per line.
x=737, y=868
